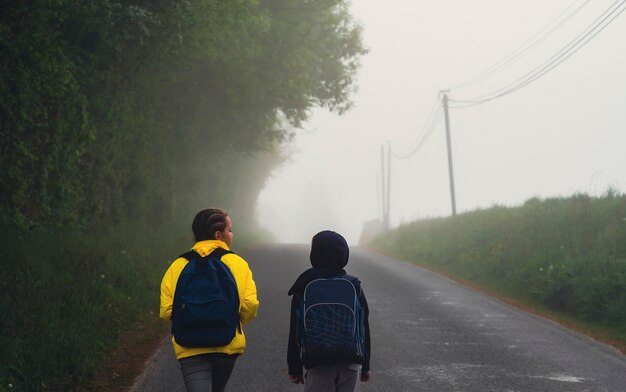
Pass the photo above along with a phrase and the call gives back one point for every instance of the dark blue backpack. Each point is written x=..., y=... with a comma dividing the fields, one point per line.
x=331, y=320
x=206, y=302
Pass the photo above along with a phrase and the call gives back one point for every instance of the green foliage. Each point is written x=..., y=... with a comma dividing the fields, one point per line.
x=568, y=254
x=146, y=112
x=114, y=110
x=68, y=294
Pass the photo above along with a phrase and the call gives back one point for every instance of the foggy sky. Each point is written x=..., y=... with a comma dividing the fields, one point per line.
x=564, y=133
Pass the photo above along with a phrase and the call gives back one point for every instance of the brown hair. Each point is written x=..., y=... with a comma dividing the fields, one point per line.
x=207, y=223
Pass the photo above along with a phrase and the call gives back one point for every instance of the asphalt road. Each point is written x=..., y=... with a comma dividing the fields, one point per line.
x=428, y=334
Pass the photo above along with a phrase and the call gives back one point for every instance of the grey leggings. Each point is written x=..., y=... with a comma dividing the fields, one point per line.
x=207, y=372
x=333, y=378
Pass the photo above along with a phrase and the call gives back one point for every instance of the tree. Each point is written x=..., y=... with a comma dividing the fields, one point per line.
x=115, y=111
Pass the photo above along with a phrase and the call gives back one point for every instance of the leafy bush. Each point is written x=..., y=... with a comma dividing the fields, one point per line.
x=68, y=294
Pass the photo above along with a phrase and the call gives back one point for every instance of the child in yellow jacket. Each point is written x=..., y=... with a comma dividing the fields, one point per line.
x=209, y=368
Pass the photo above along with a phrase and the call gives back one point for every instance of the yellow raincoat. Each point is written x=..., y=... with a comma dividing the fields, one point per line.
x=248, y=302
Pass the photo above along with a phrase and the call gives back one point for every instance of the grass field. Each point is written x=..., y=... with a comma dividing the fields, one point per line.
x=566, y=256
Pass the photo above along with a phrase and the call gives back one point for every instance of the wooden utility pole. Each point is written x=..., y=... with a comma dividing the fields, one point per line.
x=384, y=185
x=450, y=169
x=388, y=184
x=386, y=177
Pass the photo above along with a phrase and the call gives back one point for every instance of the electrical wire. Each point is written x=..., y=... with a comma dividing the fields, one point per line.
x=567, y=51
x=425, y=133
x=581, y=40
x=526, y=47
x=423, y=129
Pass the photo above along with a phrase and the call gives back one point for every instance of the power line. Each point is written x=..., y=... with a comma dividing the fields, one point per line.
x=590, y=32
x=531, y=43
x=425, y=133
x=567, y=51
x=581, y=40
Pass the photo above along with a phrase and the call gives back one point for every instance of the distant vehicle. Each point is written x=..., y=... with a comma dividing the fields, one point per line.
x=371, y=229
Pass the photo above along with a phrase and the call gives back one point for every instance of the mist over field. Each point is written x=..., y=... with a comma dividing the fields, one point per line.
x=559, y=135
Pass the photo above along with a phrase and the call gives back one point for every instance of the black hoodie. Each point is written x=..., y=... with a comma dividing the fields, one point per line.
x=329, y=255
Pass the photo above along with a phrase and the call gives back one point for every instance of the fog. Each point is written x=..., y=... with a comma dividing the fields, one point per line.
x=561, y=134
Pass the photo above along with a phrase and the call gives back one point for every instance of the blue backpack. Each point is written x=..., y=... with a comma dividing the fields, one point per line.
x=205, y=312
x=331, y=319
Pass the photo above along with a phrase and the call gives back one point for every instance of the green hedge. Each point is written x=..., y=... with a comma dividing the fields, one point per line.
x=67, y=295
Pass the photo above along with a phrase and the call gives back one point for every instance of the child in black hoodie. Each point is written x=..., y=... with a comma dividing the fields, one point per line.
x=329, y=255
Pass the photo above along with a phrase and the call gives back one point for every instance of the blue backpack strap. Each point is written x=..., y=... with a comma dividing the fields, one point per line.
x=192, y=254
x=219, y=252
x=357, y=286
x=355, y=281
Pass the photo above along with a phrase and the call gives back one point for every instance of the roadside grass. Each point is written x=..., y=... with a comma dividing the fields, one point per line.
x=72, y=299
x=560, y=257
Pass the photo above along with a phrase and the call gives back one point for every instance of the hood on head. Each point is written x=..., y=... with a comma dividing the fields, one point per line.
x=329, y=250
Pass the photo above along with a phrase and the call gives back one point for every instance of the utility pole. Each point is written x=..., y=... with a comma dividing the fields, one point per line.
x=384, y=185
x=388, y=185
x=386, y=177
x=450, y=169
